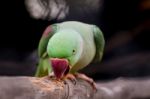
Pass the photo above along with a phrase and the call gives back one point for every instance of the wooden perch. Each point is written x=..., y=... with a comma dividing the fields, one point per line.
x=46, y=88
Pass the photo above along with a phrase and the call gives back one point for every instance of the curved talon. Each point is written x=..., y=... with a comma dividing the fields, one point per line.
x=71, y=77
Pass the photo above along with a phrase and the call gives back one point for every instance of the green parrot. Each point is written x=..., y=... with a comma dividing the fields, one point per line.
x=67, y=47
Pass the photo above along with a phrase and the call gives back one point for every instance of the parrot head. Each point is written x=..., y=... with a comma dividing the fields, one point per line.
x=64, y=49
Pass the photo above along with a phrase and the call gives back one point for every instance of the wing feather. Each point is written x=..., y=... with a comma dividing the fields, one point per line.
x=99, y=42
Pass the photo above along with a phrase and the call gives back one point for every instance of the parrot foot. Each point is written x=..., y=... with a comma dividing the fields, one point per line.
x=86, y=78
x=71, y=77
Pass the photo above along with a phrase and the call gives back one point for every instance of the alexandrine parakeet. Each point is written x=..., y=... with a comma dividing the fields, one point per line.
x=67, y=47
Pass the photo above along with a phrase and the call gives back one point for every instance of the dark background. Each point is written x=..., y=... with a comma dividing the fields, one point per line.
x=126, y=28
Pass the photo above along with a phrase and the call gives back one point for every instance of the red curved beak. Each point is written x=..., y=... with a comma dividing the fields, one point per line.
x=59, y=66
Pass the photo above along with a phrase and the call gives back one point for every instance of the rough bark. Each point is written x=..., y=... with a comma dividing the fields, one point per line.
x=46, y=88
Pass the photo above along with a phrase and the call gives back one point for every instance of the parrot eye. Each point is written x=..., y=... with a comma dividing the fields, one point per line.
x=73, y=51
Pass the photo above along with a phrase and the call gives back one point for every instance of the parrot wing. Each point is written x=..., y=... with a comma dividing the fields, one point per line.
x=99, y=42
x=48, y=33
x=44, y=67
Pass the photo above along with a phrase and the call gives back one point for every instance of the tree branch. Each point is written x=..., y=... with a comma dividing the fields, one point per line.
x=46, y=88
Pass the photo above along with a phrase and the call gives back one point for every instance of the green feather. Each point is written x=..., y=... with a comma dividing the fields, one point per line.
x=44, y=67
x=86, y=40
x=45, y=38
x=99, y=42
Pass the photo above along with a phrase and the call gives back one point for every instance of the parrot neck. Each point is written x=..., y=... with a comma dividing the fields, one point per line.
x=79, y=53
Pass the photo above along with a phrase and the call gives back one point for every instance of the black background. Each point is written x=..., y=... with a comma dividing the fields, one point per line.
x=20, y=34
